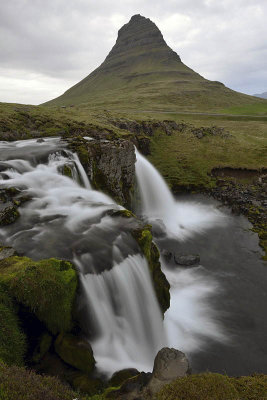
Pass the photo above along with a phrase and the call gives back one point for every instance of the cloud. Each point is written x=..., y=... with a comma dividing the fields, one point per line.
x=48, y=46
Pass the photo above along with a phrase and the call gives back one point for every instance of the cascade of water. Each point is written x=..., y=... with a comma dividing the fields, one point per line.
x=72, y=222
x=122, y=306
x=190, y=320
x=181, y=219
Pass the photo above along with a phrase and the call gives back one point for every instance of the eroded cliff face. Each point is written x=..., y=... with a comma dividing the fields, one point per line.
x=110, y=166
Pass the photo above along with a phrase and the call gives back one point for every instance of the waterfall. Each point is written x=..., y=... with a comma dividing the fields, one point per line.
x=122, y=306
x=69, y=220
x=180, y=219
x=190, y=322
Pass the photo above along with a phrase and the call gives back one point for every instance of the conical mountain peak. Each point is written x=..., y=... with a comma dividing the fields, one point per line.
x=143, y=72
x=140, y=33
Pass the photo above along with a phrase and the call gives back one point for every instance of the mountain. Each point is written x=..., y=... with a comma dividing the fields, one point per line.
x=262, y=95
x=143, y=72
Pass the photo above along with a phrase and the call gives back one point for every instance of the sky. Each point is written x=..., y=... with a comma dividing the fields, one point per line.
x=47, y=46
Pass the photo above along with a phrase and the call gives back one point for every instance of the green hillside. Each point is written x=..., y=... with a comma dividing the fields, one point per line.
x=143, y=72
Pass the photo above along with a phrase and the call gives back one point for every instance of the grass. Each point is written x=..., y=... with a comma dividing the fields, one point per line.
x=215, y=387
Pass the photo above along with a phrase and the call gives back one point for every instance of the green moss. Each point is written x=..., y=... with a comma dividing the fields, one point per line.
x=211, y=386
x=200, y=387
x=9, y=215
x=251, y=387
x=121, y=376
x=46, y=287
x=12, y=339
x=75, y=351
x=67, y=171
x=162, y=287
x=17, y=383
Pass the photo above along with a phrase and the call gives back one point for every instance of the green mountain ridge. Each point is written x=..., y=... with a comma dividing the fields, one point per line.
x=143, y=72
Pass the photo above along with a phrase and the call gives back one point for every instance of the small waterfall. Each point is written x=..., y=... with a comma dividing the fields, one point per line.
x=122, y=306
x=69, y=220
x=181, y=219
x=190, y=322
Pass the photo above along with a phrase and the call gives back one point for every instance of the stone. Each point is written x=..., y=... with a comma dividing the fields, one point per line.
x=8, y=213
x=186, y=260
x=75, y=351
x=169, y=364
x=40, y=140
x=158, y=228
x=166, y=254
x=6, y=252
x=121, y=376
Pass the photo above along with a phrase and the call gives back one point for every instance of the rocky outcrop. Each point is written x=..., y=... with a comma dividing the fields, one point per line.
x=110, y=166
x=246, y=198
x=169, y=365
x=143, y=237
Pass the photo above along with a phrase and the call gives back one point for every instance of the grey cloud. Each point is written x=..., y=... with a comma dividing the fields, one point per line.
x=62, y=41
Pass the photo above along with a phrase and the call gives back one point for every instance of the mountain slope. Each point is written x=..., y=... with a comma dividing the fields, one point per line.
x=142, y=71
x=262, y=95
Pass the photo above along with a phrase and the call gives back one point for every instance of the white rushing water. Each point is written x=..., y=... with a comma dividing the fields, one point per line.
x=181, y=219
x=117, y=306
x=190, y=322
x=67, y=219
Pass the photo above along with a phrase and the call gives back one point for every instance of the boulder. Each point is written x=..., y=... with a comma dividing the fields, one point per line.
x=169, y=364
x=6, y=252
x=75, y=351
x=186, y=260
x=121, y=376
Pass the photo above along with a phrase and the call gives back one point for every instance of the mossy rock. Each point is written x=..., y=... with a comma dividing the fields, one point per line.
x=200, y=387
x=161, y=285
x=47, y=288
x=44, y=344
x=121, y=376
x=12, y=339
x=84, y=383
x=8, y=215
x=75, y=351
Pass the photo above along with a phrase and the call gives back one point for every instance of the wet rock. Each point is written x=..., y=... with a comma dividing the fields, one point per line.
x=186, y=260
x=131, y=389
x=169, y=364
x=167, y=255
x=110, y=166
x=8, y=213
x=75, y=351
x=158, y=228
x=6, y=252
x=121, y=376
x=40, y=140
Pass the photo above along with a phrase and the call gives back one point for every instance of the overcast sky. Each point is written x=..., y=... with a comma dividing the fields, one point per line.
x=46, y=46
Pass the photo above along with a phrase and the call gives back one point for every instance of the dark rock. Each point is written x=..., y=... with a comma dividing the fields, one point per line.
x=75, y=351
x=8, y=213
x=169, y=364
x=121, y=376
x=86, y=384
x=110, y=166
x=186, y=260
x=166, y=254
x=40, y=140
x=131, y=389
